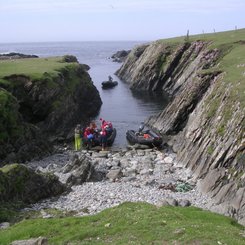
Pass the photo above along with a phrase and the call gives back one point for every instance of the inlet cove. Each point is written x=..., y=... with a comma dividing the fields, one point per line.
x=188, y=188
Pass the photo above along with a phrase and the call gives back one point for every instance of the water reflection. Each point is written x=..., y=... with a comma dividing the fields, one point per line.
x=160, y=98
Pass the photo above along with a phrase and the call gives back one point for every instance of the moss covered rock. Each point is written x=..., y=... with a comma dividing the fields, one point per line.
x=19, y=183
x=41, y=102
x=10, y=118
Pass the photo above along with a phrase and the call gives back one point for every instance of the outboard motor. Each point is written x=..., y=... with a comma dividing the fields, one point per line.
x=141, y=127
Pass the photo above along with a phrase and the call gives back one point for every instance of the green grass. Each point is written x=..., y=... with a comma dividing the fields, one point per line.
x=51, y=73
x=10, y=212
x=34, y=68
x=217, y=38
x=13, y=212
x=233, y=64
x=9, y=167
x=132, y=223
x=43, y=71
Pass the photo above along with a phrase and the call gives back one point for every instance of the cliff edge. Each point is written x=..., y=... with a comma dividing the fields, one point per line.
x=41, y=101
x=205, y=120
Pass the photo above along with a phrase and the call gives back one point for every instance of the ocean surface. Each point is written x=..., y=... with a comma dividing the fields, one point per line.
x=124, y=108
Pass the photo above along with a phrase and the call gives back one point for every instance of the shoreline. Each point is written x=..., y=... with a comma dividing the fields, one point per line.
x=143, y=176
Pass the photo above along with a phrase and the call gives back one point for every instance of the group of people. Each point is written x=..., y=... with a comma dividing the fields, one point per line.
x=91, y=135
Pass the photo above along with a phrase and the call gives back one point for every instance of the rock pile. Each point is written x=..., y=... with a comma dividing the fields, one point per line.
x=101, y=180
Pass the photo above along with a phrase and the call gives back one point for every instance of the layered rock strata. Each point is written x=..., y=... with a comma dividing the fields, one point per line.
x=204, y=121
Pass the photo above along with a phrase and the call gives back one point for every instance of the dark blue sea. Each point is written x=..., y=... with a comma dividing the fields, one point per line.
x=125, y=109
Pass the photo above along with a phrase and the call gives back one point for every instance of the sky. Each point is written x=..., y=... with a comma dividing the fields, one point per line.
x=115, y=20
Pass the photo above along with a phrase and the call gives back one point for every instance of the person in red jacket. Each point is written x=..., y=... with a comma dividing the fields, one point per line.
x=89, y=134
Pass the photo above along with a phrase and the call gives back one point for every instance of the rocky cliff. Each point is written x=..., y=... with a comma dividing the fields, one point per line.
x=205, y=120
x=41, y=101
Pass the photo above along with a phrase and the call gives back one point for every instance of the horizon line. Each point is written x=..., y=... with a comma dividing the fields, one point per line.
x=23, y=42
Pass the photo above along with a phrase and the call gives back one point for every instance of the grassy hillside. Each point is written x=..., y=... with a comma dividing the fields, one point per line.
x=133, y=223
x=31, y=67
x=217, y=38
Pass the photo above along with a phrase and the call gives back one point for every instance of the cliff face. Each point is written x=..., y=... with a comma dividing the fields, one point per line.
x=205, y=121
x=160, y=66
x=37, y=110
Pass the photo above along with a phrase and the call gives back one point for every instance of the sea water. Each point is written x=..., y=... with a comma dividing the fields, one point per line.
x=124, y=108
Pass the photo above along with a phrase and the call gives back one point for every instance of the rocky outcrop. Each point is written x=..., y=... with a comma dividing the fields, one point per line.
x=120, y=56
x=13, y=55
x=19, y=183
x=42, y=110
x=79, y=169
x=204, y=122
x=33, y=241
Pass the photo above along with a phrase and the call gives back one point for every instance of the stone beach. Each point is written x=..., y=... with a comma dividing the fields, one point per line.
x=114, y=177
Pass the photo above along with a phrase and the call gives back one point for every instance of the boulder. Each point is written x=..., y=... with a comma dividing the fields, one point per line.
x=167, y=202
x=211, y=181
x=184, y=203
x=114, y=174
x=120, y=56
x=33, y=241
x=4, y=225
x=80, y=170
x=20, y=183
x=168, y=160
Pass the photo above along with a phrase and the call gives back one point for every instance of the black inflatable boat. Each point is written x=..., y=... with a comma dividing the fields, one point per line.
x=109, y=84
x=147, y=137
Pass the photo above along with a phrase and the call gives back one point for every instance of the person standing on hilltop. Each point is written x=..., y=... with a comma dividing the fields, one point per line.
x=78, y=137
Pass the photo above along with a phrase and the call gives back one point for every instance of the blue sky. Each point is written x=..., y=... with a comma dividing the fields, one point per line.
x=105, y=20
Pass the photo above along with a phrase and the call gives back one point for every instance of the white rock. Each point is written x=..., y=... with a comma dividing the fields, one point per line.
x=168, y=160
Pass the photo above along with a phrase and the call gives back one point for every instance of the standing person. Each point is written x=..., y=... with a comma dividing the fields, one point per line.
x=103, y=123
x=110, y=78
x=103, y=138
x=103, y=134
x=89, y=134
x=78, y=137
x=93, y=125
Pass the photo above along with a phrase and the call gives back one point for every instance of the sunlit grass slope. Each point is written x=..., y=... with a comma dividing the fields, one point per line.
x=133, y=223
x=32, y=67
